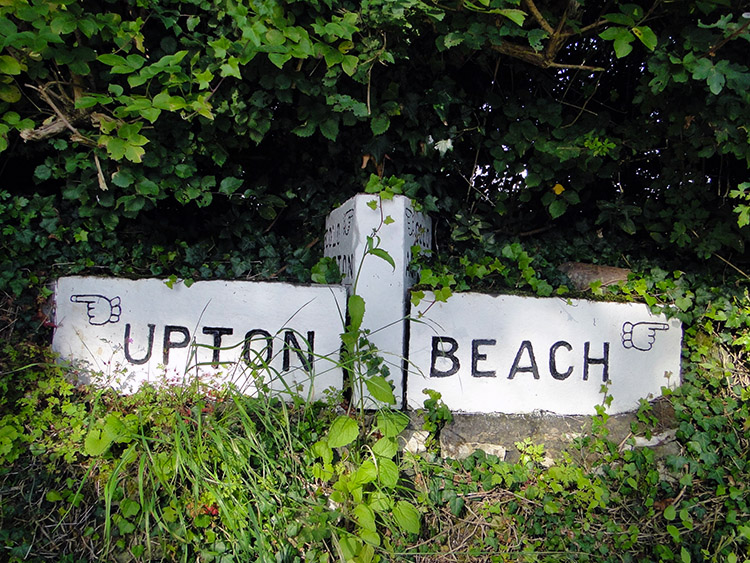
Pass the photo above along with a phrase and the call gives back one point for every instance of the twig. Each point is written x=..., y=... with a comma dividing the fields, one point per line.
x=728, y=263
x=43, y=92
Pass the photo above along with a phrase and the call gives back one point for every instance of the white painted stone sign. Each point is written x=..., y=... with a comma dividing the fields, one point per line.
x=248, y=333
x=483, y=353
x=395, y=226
x=511, y=354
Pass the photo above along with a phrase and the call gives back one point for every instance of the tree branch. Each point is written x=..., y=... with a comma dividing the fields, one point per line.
x=58, y=125
x=539, y=17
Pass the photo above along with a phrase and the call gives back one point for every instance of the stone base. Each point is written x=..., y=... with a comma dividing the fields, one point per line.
x=497, y=434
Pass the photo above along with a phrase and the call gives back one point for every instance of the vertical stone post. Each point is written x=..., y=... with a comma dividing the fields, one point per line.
x=395, y=226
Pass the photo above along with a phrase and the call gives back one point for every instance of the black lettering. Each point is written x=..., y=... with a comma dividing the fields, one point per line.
x=525, y=345
x=437, y=352
x=477, y=357
x=128, y=340
x=600, y=361
x=247, y=350
x=291, y=343
x=553, y=361
x=218, y=332
x=168, y=344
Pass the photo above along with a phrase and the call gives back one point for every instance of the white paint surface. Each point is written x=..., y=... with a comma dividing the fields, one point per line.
x=396, y=227
x=107, y=324
x=492, y=334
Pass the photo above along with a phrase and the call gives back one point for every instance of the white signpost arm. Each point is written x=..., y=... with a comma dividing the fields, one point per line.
x=393, y=226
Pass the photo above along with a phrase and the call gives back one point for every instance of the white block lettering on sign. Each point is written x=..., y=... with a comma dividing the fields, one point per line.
x=397, y=227
x=511, y=354
x=246, y=333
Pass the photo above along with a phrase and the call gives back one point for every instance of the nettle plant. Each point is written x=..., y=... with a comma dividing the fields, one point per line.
x=359, y=462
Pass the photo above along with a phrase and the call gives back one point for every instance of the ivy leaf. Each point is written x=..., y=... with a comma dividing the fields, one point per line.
x=279, y=59
x=129, y=507
x=231, y=68
x=349, y=64
x=343, y=431
x=716, y=81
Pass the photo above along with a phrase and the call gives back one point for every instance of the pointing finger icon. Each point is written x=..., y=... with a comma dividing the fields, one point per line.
x=642, y=335
x=99, y=309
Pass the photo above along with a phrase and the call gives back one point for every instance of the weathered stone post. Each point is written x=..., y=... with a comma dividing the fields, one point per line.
x=395, y=226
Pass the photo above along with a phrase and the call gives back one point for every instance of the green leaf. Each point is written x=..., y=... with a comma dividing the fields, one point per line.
x=380, y=389
x=129, y=507
x=231, y=68
x=111, y=59
x=53, y=496
x=349, y=64
x=442, y=294
x=407, y=517
x=516, y=16
x=365, y=517
x=385, y=448
x=134, y=153
x=10, y=93
x=670, y=513
x=391, y=423
x=279, y=59
x=716, y=81
x=356, y=309
x=330, y=128
x=275, y=38
x=95, y=443
x=9, y=65
x=557, y=208
x=322, y=450
x=365, y=473
x=380, y=253
x=387, y=473
x=622, y=45
x=379, y=124
x=42, y=172
x=229, y=185
x=326, y=270
x=646, y=36
x=343, y=431
x=148, y=188
x=620, y=19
